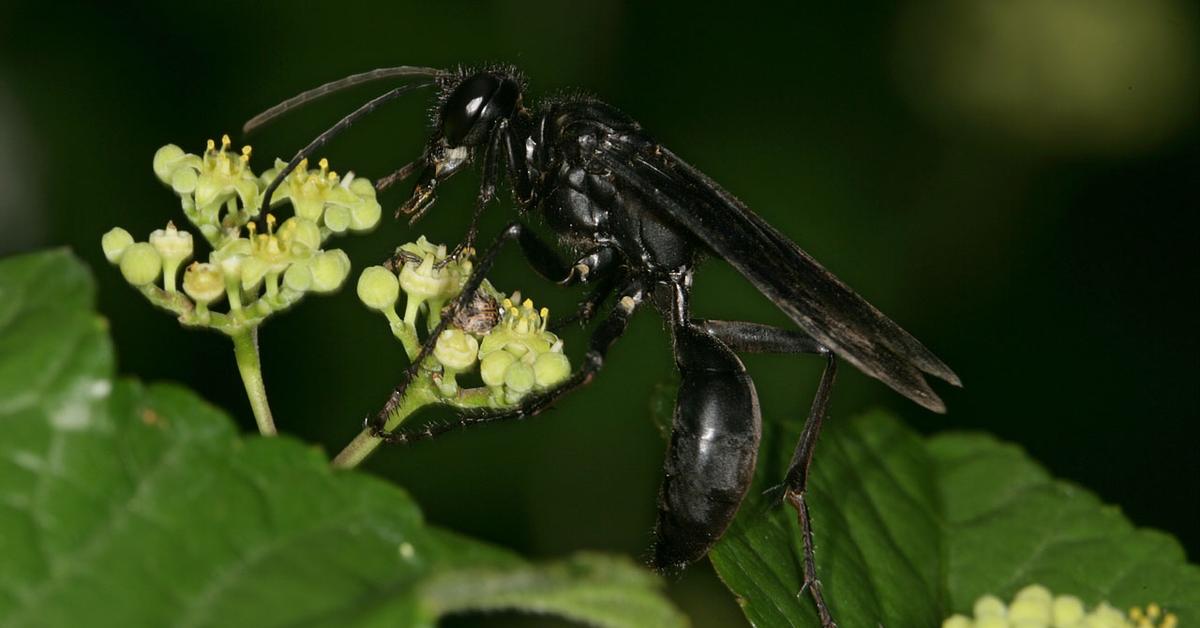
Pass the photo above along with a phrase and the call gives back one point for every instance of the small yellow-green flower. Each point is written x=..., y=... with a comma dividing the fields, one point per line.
x=326, y=199
x=521, y=332
x=431, y=281
x=520, y=355
x=174, y=247
x=206, y=182
x=204, y=283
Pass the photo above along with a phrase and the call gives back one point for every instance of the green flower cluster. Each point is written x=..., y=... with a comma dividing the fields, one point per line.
x=256, y=273
x=509, y=343
x=1035, y=607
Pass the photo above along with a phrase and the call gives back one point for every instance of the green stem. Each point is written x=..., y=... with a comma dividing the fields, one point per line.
x=420, y=393
x=245, y=349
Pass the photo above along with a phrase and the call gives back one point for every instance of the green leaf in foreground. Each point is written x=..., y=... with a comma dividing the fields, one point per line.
x=125, y=505
x=910, y=531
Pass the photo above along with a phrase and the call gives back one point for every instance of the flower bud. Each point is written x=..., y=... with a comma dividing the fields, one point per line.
x=456, y=350
x=184, y=180
x=174, y=247
x=337, y=218
x=550, y=369
x=958, y=621
x=140, y=264
x=298, y=277
x=378, y=288
x=1033, y=603
x=114, y=244
x=166, y=160
x=1067, y=610
x=329, y=270
x=365, y=215
x=204, y=283
x=518, y=380
x=989, y=606
x=493, y=367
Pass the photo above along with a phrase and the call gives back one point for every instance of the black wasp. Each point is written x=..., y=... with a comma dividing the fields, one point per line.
x=635, y=219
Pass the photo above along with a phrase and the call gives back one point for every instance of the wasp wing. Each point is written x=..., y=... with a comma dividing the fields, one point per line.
x=817, y=301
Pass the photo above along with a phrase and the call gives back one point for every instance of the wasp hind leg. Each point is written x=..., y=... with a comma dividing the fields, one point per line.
x=757, y=338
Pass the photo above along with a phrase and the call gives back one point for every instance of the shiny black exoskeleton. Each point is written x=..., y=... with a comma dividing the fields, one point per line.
x=634, y=220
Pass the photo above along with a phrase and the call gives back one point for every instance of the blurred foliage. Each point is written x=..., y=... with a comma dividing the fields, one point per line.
x=1058, y=283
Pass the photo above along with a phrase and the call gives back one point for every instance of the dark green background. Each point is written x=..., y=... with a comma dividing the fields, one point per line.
x=1058, y=279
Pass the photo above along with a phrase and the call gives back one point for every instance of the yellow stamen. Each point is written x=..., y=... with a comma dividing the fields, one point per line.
x=333, y=176
x=1135, y=613
x=211, y=145
x=251, y=227
x=225, y=142
x=1170, y=620
x=324, y=164
x=528, y=304
x=507, y=304
x=1153, y=611
x=246, y=153
x=271, y=223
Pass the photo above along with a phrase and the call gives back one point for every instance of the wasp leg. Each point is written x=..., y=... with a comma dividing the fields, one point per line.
x=757, y=338
x=602, y=338
x=796, y=485
x=595, y=298
x=597, y=267
x=744, y=337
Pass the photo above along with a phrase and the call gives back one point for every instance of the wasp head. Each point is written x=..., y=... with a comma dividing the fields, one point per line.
x=472, y=106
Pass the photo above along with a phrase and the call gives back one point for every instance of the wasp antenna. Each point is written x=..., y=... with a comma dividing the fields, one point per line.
x=333, y=131
x=335, y=86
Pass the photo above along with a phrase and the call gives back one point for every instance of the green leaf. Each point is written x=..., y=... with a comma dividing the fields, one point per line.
x=128, y=505
x=910, y=531
x=590, y=588
x=1004, y=511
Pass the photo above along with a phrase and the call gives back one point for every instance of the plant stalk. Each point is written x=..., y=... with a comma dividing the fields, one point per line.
x=422, y=392
x=245, y=349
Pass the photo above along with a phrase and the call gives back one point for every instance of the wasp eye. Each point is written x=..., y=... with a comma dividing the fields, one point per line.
x=465, y=105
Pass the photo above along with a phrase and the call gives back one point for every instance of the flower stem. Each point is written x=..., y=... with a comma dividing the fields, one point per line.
x=245, y=349
x=420, y=393
x=417, y=395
